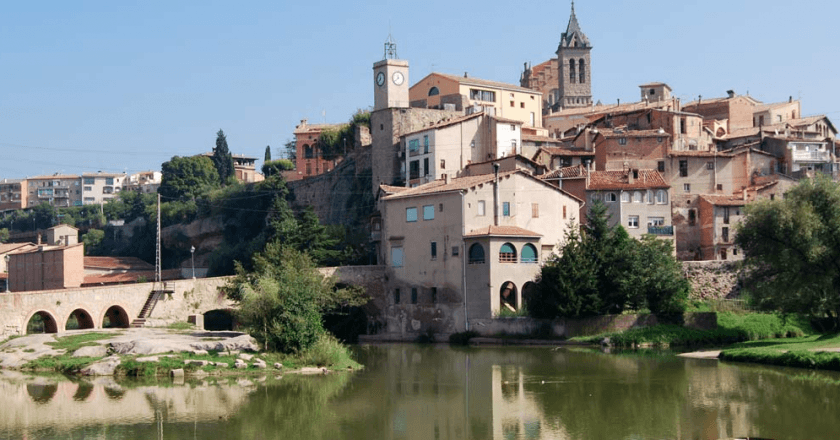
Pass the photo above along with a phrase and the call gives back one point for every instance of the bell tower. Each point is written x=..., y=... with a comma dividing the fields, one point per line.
x=574, y=67
x=390, y=80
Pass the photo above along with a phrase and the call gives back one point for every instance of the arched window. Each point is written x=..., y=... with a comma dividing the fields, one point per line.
x=582, y=68
x=507, y=253
x=434, y=91
x=308, y=152
x=572, y=75
x=476, y=254
x=661, y=197
x=610, y=197
x=529, y=254
x=625, y=197
x=637, y=197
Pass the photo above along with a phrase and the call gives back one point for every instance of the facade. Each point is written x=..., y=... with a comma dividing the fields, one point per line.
x=46, y=268
x=99, y=188
x=466, y=248
x=638, y=200
x=59, y=190
x=718, y=217
x=460, y=93
x=146, y=182
x=244, y=168
x=309, y=159
x=13, y=194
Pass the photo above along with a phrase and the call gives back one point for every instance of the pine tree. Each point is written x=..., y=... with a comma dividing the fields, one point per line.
x=222, y=158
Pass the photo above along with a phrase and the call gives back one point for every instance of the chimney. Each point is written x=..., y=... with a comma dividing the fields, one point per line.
x=790, y=99
x=731, y=93
x=496, y=194
x=39, y=239
x=465, y=75
x=446, y=179
x=631, y=176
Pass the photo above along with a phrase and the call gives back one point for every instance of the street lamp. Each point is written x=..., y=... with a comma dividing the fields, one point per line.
x=192, y=258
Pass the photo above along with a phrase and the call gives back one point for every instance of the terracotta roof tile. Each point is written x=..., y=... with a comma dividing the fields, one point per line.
x=444, y=123
x=574, y=172
x=689, y=153
x=615, y=180
x=5, y=248
x=116, y=263
x=535, y=138
x=719, y=200
x=560, y=151
x=486, y=83
x=131, y=277
x=502, y=231
x=440, y=186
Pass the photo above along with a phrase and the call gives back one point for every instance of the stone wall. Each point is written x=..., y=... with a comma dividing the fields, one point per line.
x=713, y=279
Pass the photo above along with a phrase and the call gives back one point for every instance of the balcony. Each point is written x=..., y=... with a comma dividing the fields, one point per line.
x=811, y=156
x=661, y=230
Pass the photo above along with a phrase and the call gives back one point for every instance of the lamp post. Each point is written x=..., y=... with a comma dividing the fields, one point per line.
x=192, y=259
x=7, y=258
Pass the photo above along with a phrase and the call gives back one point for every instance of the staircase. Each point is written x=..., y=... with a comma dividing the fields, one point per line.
x=151, y=301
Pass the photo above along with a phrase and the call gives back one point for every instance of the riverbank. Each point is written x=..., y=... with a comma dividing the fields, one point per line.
x=821, y=352
x=162, y=352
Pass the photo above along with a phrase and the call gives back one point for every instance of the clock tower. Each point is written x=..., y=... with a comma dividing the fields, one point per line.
x=390, y=80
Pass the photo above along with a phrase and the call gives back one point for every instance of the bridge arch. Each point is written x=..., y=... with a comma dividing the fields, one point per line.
x=115, y=317
x=219, y=319
x=41, y=322
x=79, y=319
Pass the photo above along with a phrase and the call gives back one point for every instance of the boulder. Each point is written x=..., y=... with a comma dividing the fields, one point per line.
x=278, y=366
x=245, y=356
x=177, y=372
x=105, y=367
x=259, y=363
x=91, y=351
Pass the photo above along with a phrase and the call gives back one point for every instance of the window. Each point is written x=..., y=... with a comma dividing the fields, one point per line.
x=725, y=234
x=682, y=126
x=425, y=143
x=472, y=144
x=661, y=197
x=413, y=146
x=719, y=187
x=434, y=91
x=726, y=215
x=434, y=294
x=582, y=67
x=650, y=197
x=637, y=197
x=443, y=164
x=683, y=168
x=426, y=170
x=414, y=169
x=411, y=214
x=308, y=152
x=512, y=104
x=434, y=250
x=633, y=222
x=535, y=210
x=610, y=197
x=429, y=212
x=660, y=166
x=687, y=187
x=533, y=118
x=109, y=181
x=476, y=254
x=505, y=209
x=529, y=254
x=625, y=197
x=440, y=207
x=482, y=95
x=88, y=188
x=414, y=295
x=572, y=75
x=507, y=253
x=513, y=146
x=397, y=256
x=89, y=181
x=456, y=251
x=710, y=165
x=622, y=141
x=396, y=296
x=656, y=221
x=512, y=127
x=521, y=105
x=692, y=217
x=564, y=212
x=481, y=207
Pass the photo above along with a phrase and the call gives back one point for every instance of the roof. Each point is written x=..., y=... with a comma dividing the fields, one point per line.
x=440, y=186
x=6, y=248
x=486, y=83
x=575, y=172
x=719, y=100
x=560, y=151
x=617, y=132
x=116, y=263
x=306, y=128
x=101, y=174
x=131, y=277
x=617, y=180
x=693, y=153
x=44, y=248
x=720, y=200
x=573, y=31
x=54, y=176
x=536, y=138
x=763, y=107
x=501, y=231
x=655, y=84
x=444, y=123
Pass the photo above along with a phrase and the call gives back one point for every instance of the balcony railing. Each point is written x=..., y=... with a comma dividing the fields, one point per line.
x=661, y=230
x=811, y=156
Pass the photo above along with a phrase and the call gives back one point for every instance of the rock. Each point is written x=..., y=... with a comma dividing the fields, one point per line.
x=177, y=373
x=105, y=367
x=278, y=366
x=606, y=342
x=245, y=356
x=200, y=352
x=259, y=363
x=196, y=362
x=221, y=364
x=91, y=351
x=313, y=370
x=240, y=364
x=147, y=359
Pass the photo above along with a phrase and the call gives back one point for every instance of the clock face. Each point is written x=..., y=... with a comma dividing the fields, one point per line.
x=380, y=79
x=398, y=78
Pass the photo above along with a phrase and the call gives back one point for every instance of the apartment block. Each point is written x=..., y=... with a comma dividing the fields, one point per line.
x=13, y=194
x=99, y=188
x=59, y=190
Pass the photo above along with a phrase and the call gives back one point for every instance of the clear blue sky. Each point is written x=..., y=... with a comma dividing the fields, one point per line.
x=126, y=85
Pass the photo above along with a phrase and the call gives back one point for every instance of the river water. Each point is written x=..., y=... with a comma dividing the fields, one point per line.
x=442, y=392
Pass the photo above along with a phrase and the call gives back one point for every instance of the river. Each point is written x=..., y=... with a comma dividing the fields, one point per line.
x=441, y=392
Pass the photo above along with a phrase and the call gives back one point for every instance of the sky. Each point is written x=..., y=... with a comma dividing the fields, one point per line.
x=124, y=86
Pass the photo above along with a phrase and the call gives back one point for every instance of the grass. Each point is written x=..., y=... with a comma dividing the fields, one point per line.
x=75, y=342
x=732, y=328
x=181, y=325
x=798, y=352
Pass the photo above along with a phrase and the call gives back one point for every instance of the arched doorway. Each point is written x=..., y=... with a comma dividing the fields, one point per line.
x=78, y=320
x=41, y=322
x=115, y=317
x=219, y=319
x=507, y=295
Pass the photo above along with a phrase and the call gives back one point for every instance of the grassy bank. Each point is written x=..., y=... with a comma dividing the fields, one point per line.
x=732, y=328
x=803, y=352
x=327, y=352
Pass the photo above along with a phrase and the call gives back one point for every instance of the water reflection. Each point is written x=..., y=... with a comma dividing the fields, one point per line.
x=438, y=392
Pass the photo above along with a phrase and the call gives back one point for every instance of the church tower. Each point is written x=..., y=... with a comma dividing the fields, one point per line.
x=387, y=120
x=573, y=67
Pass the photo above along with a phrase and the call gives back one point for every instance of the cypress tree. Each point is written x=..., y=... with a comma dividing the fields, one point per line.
x=267, y=153
x=222, y=158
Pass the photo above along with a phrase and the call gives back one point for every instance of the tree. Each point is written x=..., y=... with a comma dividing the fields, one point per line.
x=267, y=153
x=92, y=240
x=222, y=159
x=4, y=235
x=188, y=177
x=604, y=271
x=792, y=250
x=290, y=147
x=275, y=167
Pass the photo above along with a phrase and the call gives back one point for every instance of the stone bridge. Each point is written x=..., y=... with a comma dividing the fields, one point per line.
x=108, y=306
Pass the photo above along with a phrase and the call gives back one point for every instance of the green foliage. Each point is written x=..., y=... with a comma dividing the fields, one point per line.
x=604, y=271
x=290, y=150
x=92, y=239
x=267, y=153
x=222, y=159
x=794, y=358
x=333, y=142
x=275, y=167
x=4, y=235
x=792, y=248
x=75, y=342
x=281, y=301
x=188, y=177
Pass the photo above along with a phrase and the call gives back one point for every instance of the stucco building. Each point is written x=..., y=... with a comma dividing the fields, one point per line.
x=99, y=188
x=13, y=194
x=59, y=190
